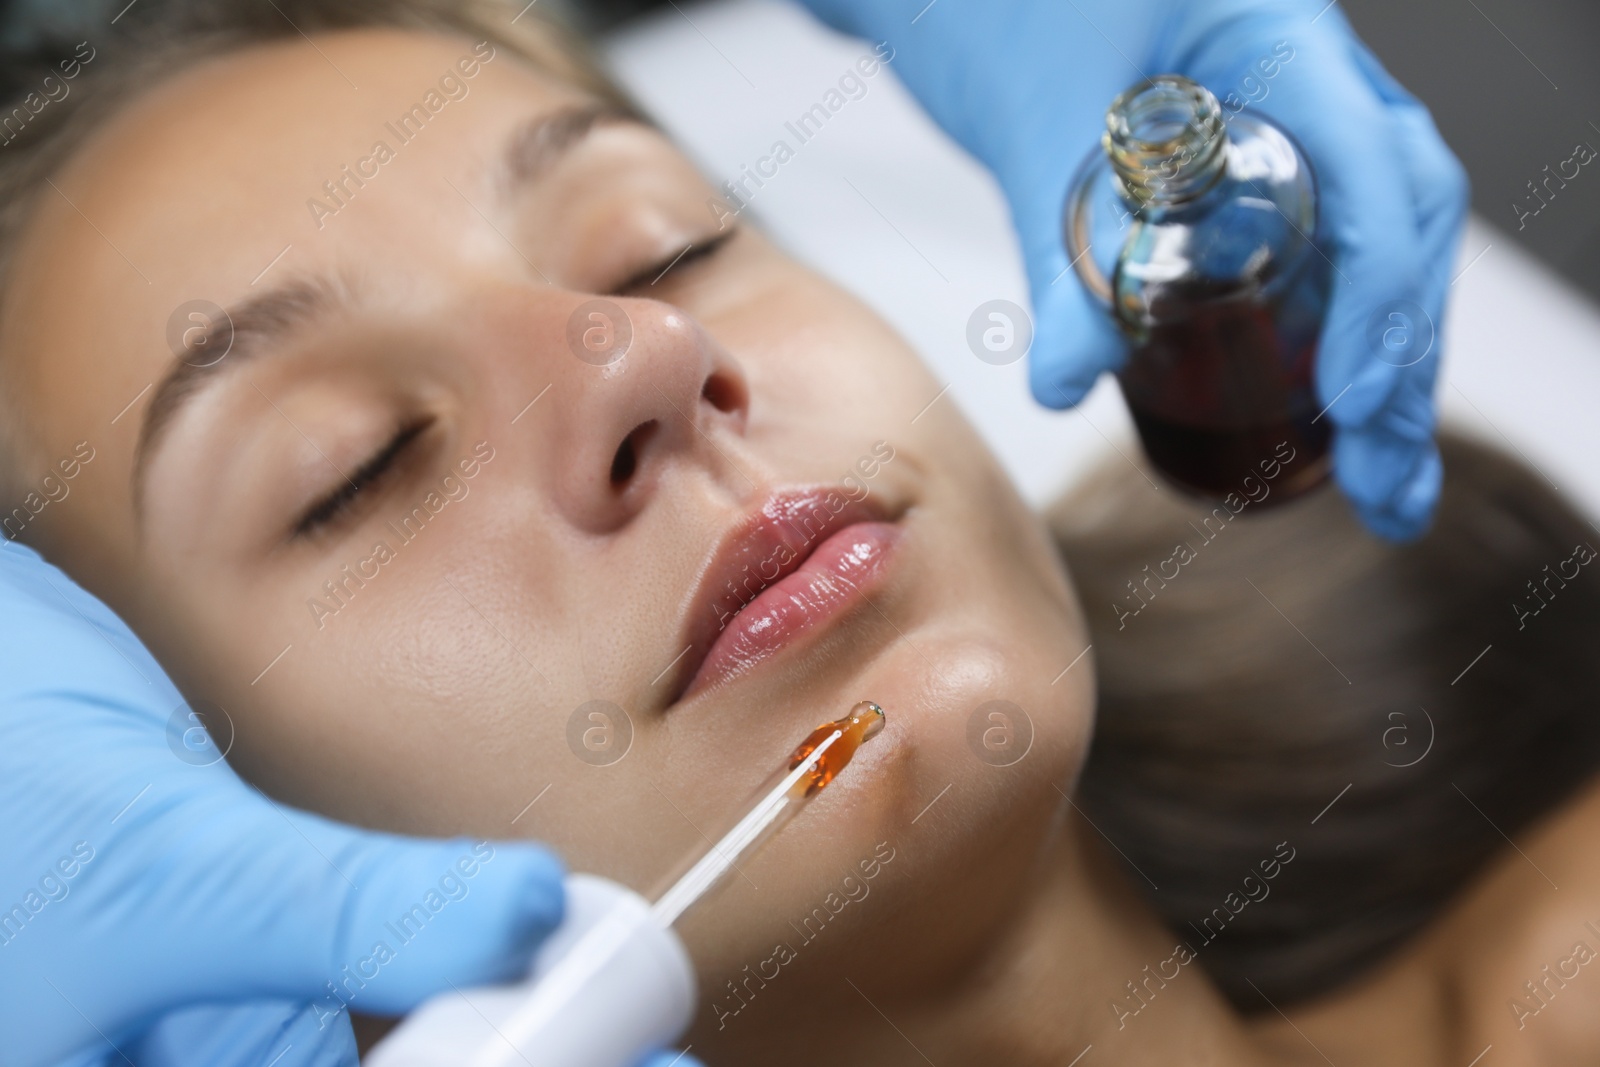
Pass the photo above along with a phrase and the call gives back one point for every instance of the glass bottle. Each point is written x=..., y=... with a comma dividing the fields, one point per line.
x=1194, y=229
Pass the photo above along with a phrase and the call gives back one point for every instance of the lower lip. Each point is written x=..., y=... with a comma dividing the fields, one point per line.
x=828, y=584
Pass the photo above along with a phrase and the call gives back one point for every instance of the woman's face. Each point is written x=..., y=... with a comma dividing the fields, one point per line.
x=428, y=509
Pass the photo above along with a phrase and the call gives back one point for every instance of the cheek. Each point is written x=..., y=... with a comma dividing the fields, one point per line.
x=809, y=346
x=428, y=701
x=996, y=716
x=957, y=826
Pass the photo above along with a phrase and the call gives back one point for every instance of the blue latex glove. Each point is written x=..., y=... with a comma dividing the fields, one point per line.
x=1024, y=85
x=155, y=909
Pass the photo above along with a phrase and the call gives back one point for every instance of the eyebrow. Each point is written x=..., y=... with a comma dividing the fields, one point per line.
x=248, y=330
x=541, y=142
x=264, y=322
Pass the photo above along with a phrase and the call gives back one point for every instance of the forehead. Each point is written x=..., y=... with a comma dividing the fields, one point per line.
x=237, y=167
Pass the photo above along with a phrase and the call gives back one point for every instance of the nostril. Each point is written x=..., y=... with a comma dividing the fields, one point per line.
x=626, y=461
x=725, y=392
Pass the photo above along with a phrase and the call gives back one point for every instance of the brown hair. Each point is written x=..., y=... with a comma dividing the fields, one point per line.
x=155, y=38
x=1384, y=711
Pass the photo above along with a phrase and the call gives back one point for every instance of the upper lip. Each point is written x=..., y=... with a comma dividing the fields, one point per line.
x=768, y=543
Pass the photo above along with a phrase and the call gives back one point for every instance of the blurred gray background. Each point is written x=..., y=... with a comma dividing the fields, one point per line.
x=1514, y=86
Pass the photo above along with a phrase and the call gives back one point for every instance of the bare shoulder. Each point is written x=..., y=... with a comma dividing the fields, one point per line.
x=1521, y=952
x=1508, y=976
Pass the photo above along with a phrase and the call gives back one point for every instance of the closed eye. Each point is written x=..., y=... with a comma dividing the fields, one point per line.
x=690, y=254
x=341, y=501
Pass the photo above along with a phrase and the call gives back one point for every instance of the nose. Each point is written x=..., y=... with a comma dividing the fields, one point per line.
x=668, y=390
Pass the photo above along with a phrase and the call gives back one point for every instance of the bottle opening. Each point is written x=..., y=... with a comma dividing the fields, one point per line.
x=1165, y=139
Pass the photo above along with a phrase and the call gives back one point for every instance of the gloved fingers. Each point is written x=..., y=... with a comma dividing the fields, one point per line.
x=1442, y=195
x=1368, y=212
x=1379, y=355
x=1074, y=341
x=671, y=1059
x=1395, y=469
x=388, y=921
x=280, y=1033
x=1399, y=507
x=1368, y=226
x=1392, y=481
x=1376, y=366
x=949, y=56
x=1389, y=466
x=283, y=904
x=1392, y=203
x=1440, y=189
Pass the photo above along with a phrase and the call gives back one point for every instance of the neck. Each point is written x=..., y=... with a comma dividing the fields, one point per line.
x=1082, y=963
x=1073, y=960
x=1085, y=963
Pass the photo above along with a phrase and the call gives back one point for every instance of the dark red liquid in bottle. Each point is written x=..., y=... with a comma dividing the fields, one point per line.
x=1221, y=389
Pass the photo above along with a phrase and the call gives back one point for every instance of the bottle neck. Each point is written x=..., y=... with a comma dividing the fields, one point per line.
x=1166, y=141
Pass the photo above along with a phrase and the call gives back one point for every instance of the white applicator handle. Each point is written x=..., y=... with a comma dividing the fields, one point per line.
x=610, y=986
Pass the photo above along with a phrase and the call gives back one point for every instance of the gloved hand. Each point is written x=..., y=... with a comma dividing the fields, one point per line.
x=156, y=909
x=1024, y=86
